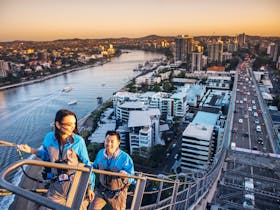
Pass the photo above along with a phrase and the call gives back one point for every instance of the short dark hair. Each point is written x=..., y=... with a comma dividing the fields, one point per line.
x=113, y=133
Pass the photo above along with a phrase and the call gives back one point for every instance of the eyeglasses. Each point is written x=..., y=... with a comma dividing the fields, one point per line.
x=68, y=124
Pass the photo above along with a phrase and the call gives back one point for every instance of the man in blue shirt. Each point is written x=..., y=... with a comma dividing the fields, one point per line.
x=112, y=189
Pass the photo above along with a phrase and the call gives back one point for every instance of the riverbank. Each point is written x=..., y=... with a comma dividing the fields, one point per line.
x=52, y=76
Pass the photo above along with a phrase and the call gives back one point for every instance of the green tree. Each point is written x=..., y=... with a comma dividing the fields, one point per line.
x=93, y=149
x=167, y=86
x=155, y=87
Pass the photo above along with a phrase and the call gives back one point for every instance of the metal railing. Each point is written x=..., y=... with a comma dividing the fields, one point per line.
x=182, y=191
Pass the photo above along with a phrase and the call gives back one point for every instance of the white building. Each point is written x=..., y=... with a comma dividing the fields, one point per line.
x=148, y=79
x=144, y=130
x=179, y=104
x=195, y=93
x=123, y=110
x=200, y=142
x=120, y=97
x=196, y=143
x=218, y=82
x=163, y=102
x=227, y=56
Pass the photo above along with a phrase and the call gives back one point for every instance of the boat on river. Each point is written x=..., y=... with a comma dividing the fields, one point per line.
x=66, y=89
x=72, y=102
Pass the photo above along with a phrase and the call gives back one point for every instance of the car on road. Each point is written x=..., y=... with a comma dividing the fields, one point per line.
x=260, y=141
x=240, y=120
x=258, y=128
x=246, y=134
x=255, y=148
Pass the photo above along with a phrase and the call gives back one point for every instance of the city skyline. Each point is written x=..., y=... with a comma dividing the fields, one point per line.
x=66, y=19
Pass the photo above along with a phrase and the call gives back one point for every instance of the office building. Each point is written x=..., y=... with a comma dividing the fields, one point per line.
x=215, y=51
x=196, y=61
x=199, y=142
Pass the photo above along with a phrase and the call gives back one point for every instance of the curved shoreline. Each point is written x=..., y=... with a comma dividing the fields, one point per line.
x=50, y=76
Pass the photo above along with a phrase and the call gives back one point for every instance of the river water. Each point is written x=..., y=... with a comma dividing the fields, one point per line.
x=27, y=111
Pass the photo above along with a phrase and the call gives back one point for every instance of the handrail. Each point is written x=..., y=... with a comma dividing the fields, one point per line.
x=137, y=195
x=27, y=194
x=191, y=194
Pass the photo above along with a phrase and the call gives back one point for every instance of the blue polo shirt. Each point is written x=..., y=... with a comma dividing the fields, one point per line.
x=120, y=161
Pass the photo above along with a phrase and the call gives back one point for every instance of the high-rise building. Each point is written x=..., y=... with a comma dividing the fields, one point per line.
x=199, y=142
x=4, y=68
x=242, y=40
x=276, y=52
x=273, y=50
x=180, y=48
x=232, y=45
x=183, y=47
x=196, y=61
x=215, y=51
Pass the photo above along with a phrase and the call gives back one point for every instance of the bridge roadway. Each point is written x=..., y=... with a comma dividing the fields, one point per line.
x=248, y=149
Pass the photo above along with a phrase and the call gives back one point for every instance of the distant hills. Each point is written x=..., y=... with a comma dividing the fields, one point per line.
x=148, y=37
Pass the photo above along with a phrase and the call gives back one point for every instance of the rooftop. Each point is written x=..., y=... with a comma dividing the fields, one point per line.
x=206, y=118
x=133, y=105
x=199, y=131
x=141, y=118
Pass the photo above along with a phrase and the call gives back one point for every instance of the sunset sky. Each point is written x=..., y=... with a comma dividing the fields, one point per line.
x=62, y=19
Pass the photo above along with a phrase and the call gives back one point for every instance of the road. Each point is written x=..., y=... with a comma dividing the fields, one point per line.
x=249, y=131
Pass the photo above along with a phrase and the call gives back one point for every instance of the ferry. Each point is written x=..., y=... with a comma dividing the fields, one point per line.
x=72, y=102
x=67, y=89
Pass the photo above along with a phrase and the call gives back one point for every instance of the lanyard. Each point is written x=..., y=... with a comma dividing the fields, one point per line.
x=109, y=160
x=60, y=148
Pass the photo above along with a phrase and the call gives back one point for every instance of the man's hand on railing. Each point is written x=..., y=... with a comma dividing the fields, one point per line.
x=123, y=172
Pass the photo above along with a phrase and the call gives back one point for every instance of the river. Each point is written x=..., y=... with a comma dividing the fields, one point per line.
x=27, y=111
